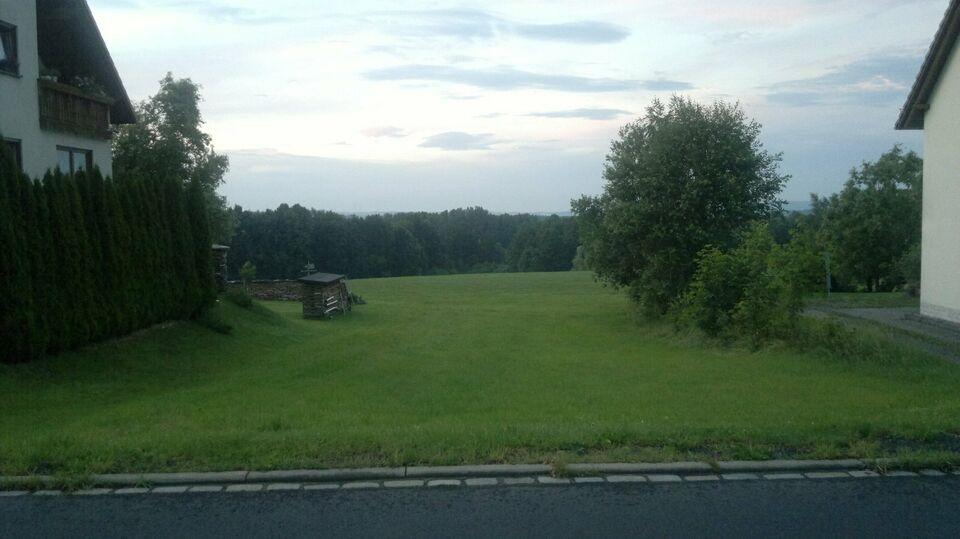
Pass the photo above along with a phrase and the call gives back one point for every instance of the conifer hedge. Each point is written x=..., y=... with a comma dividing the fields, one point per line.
x=84, y=258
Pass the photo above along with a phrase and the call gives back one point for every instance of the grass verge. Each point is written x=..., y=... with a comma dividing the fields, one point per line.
x=453, y=370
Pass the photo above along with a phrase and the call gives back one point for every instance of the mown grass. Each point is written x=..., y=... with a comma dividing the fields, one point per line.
x=864, y=300
x=457, y=369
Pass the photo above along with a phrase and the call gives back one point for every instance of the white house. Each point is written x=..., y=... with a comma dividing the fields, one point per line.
x=60, y=93
x=934, y=106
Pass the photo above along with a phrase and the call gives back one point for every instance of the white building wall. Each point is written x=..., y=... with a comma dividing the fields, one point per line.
x=940, y=273
x=20, y=101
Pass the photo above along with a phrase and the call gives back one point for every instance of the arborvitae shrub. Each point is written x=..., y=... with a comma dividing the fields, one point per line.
x=86, y=258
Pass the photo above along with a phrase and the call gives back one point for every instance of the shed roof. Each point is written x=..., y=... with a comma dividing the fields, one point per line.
x=911, y=116
x=70, y=40
x=322, y=278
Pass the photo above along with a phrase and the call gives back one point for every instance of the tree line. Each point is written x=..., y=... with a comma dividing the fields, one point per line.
x=281, y=242
x=86, y=258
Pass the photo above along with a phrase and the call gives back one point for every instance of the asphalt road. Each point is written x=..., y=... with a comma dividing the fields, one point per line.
x=881, y=507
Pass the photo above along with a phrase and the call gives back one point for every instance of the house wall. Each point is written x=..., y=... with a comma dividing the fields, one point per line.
x=20, y=101
x=940, y=271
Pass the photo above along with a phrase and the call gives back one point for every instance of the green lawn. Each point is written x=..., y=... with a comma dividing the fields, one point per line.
x=444, y=370
x=864, y=300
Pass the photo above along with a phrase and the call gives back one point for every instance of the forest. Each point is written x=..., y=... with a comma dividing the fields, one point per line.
x=290, y=240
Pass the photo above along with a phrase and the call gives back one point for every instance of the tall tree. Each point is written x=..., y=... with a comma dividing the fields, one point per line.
x=875, y=219
x=681, y=178
x=168, y=141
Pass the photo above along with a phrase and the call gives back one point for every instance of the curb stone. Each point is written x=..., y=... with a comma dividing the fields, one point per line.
x=789, y=465
x=231, y=479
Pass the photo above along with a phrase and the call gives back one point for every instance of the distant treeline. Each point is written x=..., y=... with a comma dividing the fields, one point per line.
x=86, y=258
x=281, y=242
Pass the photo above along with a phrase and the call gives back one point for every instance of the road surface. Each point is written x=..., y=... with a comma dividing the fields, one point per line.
x=874, y=507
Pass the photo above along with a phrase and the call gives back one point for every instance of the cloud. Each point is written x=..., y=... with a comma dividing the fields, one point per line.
x=879, y=80
x=477, y=24
x=385, y=131
x=574, y=32
x=507, y=78
x=214, y=11
x=460, y=141
x=586, y=113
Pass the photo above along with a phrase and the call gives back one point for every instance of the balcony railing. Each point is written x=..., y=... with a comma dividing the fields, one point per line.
x=69, y=109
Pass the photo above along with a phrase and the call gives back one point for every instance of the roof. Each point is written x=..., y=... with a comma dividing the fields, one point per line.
x=911, y=116
x=68, y=38
x=218, y=247
x=322, y=278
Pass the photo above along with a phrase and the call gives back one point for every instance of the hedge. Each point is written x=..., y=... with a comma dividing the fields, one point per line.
x=84, y=258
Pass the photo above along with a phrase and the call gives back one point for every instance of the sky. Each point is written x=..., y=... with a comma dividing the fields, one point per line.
x=369, y=106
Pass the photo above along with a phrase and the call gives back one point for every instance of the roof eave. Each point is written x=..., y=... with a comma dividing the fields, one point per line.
x=122, y=111
x=918, y=101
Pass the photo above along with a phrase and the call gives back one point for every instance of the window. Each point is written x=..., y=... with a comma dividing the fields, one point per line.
x=73, y=160
x=8, y=49
x=16, y=149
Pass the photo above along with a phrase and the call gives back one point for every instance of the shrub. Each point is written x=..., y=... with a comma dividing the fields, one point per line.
x=211, y=320
x=239, y=298
x=753, y=291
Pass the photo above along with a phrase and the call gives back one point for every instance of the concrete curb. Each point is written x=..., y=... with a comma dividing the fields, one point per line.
x=638, y=467
x=466, y=471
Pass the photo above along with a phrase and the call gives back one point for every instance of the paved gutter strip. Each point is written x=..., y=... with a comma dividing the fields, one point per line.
x=789, y=465
x=708, y=477
x=739, y=476
x=512, y=474
x=626, y=479
x=444, y=483
x=479, y=482
x=206, y=488
x=325, y=475
x=169, y=490
x=93, y=492
x=520, y=480
x=548, y=480
x=245, y=488
x=780, y=476
x=588, y=479
x=133, y=490
x=404, y=483
x=283, y=486
x=360, y=485
x=827, y=475
x=640, y=467
x=322, y=486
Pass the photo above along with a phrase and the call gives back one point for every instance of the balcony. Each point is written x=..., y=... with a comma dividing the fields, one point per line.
x=71, y=110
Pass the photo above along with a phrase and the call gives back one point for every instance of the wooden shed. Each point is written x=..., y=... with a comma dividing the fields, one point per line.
x=324, y=295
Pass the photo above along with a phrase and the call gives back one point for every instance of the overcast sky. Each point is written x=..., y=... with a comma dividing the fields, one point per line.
x=390, y=106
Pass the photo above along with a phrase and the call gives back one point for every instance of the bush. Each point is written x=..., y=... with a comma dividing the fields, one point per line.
x=753, y=292
x=239, y=298
x=85, y=258
x=211, y=320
